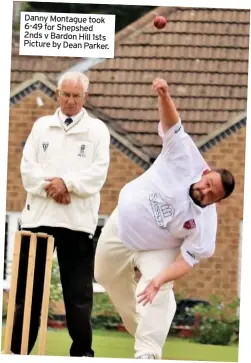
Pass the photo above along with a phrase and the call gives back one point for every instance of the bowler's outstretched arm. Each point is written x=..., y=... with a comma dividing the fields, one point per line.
x=167, y=110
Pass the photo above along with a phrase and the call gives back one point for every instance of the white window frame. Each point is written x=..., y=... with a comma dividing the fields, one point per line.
x=101, y=222
x=239, y=259
x=13, y=224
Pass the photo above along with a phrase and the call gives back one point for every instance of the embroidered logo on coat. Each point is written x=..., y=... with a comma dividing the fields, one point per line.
x=82, y=151
x=45, y=145
x=189, y=224
x=162, y=211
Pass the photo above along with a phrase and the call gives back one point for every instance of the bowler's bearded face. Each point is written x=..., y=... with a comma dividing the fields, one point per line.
x=208, y=190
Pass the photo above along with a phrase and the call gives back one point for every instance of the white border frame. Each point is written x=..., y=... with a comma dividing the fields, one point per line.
x=6, y=36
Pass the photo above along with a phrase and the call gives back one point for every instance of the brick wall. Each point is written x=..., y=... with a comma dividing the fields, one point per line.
x=215, y=276
x=121, y=171
x=22, y=117
x=219, y=275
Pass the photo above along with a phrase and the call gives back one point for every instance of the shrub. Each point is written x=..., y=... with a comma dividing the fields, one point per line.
x=55, y=291
x=4, y=307
x=56, y=288
x=104, y=315
x=218, y=323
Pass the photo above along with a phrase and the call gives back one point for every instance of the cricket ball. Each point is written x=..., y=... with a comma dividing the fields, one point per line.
x=160, y=22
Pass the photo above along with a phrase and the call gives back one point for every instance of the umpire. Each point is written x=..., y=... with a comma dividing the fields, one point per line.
x=64, y=166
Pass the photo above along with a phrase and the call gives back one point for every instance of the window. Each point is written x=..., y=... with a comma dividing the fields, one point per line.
x=12, y=224
x=5, y=249
x=239, y=261
x=101, y=222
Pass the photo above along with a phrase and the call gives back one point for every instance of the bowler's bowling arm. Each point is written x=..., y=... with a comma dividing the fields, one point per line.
x=168, y=113
x=173, y=272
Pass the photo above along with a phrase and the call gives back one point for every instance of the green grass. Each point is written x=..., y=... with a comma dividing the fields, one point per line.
x=110, y=344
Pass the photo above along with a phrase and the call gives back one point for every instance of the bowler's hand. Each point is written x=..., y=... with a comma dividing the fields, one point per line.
x=161, y=87
x=56, y=187
x=149, y=293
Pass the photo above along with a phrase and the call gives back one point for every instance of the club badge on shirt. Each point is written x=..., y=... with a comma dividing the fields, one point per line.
x=45, y=145
x=189, y=224
x=82, y=151
x=163, y=212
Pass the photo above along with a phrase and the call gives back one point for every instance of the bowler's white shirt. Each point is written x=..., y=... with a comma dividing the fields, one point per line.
x=155, y=210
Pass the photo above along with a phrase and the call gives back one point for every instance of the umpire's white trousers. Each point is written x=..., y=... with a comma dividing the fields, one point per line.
x=114, y=270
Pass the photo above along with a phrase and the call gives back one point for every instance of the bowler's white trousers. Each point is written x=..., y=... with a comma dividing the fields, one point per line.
x=114, y=270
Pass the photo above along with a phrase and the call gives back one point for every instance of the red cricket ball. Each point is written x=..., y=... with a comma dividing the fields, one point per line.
x=160, y=22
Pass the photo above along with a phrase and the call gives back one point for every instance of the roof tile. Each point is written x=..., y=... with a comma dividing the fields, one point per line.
x=203, y=55
x=23, y=67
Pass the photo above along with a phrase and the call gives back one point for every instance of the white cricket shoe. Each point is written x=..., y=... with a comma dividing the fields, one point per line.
x=146, y=356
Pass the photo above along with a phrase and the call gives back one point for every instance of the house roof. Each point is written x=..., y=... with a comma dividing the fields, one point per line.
x=203, y=55
x=119, y=138
x=23, y=67
x=39, y=81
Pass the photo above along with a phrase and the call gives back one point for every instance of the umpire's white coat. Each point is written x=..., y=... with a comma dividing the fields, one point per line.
x=80, y=157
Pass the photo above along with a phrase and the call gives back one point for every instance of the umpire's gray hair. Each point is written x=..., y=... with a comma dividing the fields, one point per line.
x=74, y=76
